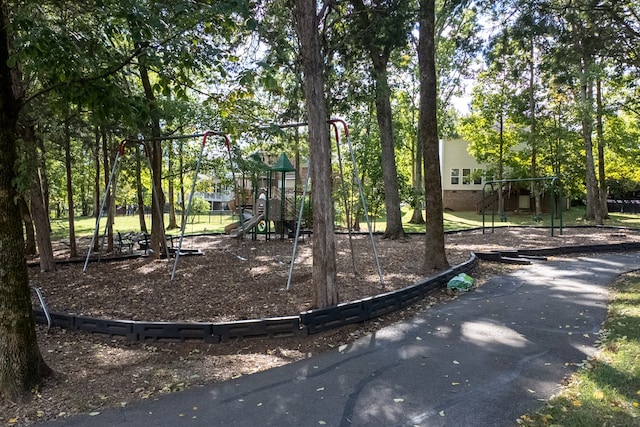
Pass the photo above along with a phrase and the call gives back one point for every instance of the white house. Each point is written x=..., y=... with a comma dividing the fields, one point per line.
x=462, y=176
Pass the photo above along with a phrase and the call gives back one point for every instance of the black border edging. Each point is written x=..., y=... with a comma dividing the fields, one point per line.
x=323, y=319
x=307, y=322
x=507, y=256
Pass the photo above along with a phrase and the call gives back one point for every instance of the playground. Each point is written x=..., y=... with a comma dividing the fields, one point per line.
x=238, y=279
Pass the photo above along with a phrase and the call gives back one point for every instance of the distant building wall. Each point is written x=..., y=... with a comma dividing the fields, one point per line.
x=461, y=200
x=462, y=176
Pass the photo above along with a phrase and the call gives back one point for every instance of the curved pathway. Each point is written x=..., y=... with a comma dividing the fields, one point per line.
x=481, y=360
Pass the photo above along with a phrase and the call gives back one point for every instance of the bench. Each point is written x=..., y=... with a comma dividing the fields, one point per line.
x=125, y=244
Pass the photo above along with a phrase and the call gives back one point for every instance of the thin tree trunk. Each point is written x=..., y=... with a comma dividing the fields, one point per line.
x=324, y=275
x=501, y=168
x=29, y=231
x=435, y=255
x=418, y=186
x=183, y=200
x=97, y=176
x=602, y=179
x=73, y=251
x=96, y=181
x=39, y=211
x=417, y=179
x=537, y=199
x=394, y=228
x=143, y=224
x=173, y=224
x=109, y=195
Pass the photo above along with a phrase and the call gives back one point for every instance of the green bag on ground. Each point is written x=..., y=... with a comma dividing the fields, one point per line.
x=460, y=283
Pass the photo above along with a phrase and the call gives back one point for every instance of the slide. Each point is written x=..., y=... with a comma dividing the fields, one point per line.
x=247, y=226
x=246, y=216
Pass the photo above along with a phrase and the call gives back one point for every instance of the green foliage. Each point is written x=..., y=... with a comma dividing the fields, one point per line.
x=199, y=205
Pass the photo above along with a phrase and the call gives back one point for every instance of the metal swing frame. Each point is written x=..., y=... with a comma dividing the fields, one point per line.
x=334, y=123
x=144, y=143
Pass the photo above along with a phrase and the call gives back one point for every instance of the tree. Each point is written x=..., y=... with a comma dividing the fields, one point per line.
x=21, y=364
x=324, y=248
x=435, y=255
x=382, y=28
x=489, y=128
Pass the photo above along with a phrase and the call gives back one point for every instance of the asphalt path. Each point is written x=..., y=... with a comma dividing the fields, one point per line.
x=481, y=360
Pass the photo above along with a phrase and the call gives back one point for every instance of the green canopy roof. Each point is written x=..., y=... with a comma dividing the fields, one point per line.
x=283, y=164
x=255, y=162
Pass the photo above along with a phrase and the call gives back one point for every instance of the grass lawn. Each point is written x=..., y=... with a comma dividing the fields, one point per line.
x=84, y=226
x=215, y=222
x=606, y=391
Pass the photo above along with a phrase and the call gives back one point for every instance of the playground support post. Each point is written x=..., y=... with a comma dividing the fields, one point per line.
x=554, y=184
x=298, y=225
x=333, y=123
x=193, y=186
x=360, y=190
x=345, y=198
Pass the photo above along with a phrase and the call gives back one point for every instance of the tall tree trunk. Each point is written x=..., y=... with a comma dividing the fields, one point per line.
x=183, y=200
x=435, y=255
x=418, y=186
x=84, y=206
x=501, y=168
x=602, y=179
x=41, y=221
x=173, y=224
x=586, y=94
x=29, y=231
x=158, y=244
x=140, y=198
x=39, y=210
x=21, y=364
x=394, y=228
x=109, y=195
x=96, y=178
x=324, y=274
x=535, y=185
x=73, y=251
x=417, y=178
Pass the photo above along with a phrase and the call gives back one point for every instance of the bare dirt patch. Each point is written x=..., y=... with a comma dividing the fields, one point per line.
x=232, y=280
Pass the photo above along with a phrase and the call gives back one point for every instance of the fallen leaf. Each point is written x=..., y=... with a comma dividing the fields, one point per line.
x=94, y=413
x=455, y=362
x=398, y=400
x=441, y=413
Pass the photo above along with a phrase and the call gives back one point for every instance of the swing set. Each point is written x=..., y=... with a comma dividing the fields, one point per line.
x=243, y=226
x=144, y=143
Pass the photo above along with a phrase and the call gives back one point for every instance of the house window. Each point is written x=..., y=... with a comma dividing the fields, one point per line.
x=477, y=176
x=455, y=176
x=466, y=176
